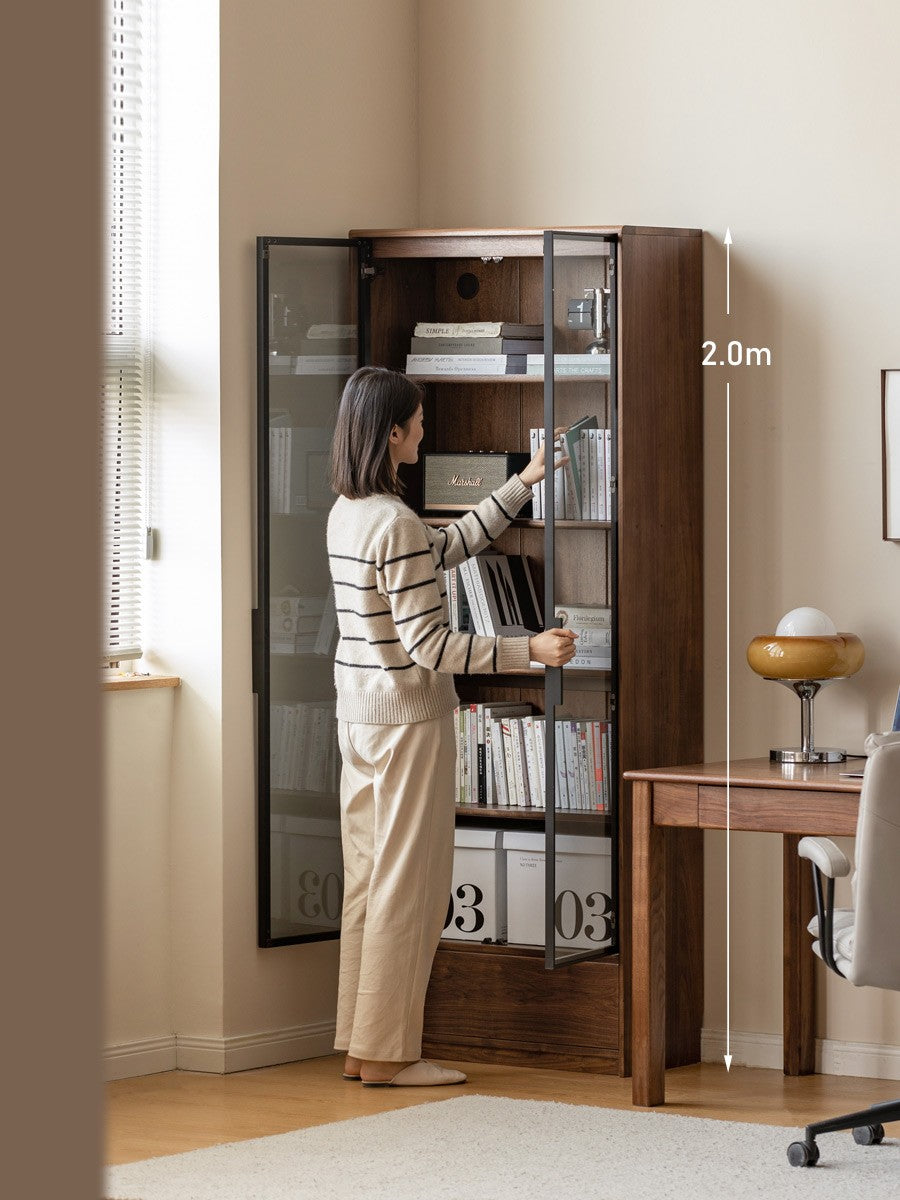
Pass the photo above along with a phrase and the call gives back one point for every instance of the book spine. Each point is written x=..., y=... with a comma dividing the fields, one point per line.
x=509, y=762
x=595, y=436
x=456, y=364
x=608, y=462
x=481, y=599
x=521, y=769
x=465, y=574
x=539, y=726
x=498, y=764
x=480, y=754
x=537, y=489
x=430, y=346
x=529, y=760
x=562, y=782
x=454, y=329
x=603, y=511
x=472, y=754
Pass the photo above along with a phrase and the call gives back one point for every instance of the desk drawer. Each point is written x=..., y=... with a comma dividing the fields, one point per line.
x=780, y=810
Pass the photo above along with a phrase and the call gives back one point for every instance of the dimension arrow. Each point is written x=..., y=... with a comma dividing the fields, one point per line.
x=727, y=718
x=728, y=240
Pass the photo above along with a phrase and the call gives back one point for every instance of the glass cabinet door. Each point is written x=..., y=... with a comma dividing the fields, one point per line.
x=309, y=340
x=580, y=593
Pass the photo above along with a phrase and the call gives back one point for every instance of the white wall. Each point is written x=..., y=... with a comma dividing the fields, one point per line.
x=137, y=837
x=778, y=121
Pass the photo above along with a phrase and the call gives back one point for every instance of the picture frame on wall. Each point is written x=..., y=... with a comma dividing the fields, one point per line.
x=890, y=453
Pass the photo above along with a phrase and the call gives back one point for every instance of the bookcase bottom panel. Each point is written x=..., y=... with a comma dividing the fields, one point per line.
x=505, y=1007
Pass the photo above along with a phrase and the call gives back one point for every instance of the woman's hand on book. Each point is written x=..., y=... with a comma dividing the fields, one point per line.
x=553, y=648
x=534, y=472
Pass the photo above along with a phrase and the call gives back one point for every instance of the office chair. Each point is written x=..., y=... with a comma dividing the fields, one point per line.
x=861, y=944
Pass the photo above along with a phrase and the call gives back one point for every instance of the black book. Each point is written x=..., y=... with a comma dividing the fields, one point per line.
x=509, y=329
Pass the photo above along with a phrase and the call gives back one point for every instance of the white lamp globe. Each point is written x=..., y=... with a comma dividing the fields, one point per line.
x=806, y=622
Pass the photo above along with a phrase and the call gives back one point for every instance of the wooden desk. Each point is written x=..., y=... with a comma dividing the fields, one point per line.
x=766, y=797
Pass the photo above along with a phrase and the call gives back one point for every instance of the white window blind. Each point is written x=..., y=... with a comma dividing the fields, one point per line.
x=126, y=323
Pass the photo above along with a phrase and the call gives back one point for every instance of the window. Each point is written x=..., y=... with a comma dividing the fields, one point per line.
x=125, y=328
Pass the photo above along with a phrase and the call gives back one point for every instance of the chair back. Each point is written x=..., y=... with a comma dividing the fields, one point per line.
x=876, y=885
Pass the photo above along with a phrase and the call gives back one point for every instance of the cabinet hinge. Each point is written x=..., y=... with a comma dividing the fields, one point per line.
x=367, y=272
x=612, y=702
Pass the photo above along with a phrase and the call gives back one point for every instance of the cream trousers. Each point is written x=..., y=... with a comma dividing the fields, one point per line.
x=397, y=816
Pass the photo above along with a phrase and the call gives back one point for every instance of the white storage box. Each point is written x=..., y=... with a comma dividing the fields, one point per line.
x=309, y=875
x=583, y=887
x=477, y=909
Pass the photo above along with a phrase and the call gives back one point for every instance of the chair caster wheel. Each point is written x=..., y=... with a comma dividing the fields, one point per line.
x=803, y=1154
x=869, y=1135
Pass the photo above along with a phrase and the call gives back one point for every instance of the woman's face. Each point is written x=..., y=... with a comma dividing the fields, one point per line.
x=405, y=442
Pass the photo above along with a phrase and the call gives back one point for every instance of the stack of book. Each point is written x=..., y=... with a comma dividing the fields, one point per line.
x=501, y=759
x=302, y=624
x=582, y=488
x=493, y=594
x=473, y=348
x=305, y=756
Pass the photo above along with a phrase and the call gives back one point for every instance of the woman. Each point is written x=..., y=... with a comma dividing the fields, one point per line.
x=394, y=669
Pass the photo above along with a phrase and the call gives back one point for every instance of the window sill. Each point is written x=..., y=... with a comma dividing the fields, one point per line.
x=131, y=683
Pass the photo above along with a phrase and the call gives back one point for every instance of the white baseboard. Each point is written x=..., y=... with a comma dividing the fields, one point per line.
x=832, y=1057
x=224, y=1055
x=147, y=1057
x=219, y=1056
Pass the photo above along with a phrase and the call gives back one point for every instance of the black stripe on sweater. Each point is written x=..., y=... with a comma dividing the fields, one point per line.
x=370, y=562
x=410, y=587
x=482, y=524
x=468, y=656
x=463, y=540
x=425, y=612
x=425, y=635
x=372, y=666
x=443, y=648
x=384, y=613
x=360, y=587
x=500, y=506
x=373, y=641
x=401, y=557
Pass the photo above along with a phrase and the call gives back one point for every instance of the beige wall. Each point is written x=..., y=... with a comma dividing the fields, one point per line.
x=778, y=121
x=318, y=125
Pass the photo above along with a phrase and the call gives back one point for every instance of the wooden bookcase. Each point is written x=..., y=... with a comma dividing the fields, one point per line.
x=499, y=1002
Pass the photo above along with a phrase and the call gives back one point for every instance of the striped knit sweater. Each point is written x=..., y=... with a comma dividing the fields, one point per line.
x=397, y=655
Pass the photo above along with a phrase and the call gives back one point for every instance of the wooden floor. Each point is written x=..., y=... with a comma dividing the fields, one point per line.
x=180, y=1110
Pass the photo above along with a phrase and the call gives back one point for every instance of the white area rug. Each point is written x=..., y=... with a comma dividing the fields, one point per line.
x=482, y=1148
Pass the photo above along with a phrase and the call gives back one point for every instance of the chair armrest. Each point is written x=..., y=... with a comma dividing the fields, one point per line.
x=831, y=862
x=824, y=854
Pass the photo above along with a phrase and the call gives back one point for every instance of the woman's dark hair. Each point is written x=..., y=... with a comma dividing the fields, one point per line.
x=374, y=401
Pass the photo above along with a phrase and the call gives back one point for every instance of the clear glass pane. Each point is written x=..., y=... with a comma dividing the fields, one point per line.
x=312, y=349
x=580, y=896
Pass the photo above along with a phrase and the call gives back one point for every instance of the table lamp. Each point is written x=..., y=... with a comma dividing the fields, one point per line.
x=805, y=653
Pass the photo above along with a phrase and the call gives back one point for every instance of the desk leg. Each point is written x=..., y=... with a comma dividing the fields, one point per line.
x=648, y=952
x=799, y=964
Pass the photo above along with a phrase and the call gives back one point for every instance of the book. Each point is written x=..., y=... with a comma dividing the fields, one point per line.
x=593, y=624
x=483, y=329
x=571, y=364
x=476, y=345
x=493, y=753
x=572, y=442
x=456, y=364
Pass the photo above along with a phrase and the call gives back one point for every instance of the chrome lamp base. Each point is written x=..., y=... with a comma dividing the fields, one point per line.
x=806, y=689
x=829, y=755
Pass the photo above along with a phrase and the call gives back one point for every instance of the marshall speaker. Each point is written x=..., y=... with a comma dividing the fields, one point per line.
x=458, y=482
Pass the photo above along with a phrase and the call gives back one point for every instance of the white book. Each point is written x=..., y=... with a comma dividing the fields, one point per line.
x=538, y=726
x=529, y=761
x=439, y=329
x=562, y=783
x=475, y=596
x=571, y=773
x=584, y=466
x=570, y=364
x=325, y=364
x=535, y=437
x=608, y=465
x=595, y=438
x=472, y=754
x=493, y=750
x=519, y=765
x=495, y=770
x=603, y=509
x=456, y=364
x=457, y=737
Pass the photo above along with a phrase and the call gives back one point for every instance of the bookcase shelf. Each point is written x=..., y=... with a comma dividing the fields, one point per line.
x=497, y=1002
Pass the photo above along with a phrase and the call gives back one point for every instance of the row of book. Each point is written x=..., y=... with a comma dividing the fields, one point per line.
x=304, y=752
x=302, y=624
x=494, y=595
x=501, y=759
x=299, y=465
x=582, y=488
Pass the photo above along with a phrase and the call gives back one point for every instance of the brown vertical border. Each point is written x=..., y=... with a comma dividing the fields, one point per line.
x=50, y=845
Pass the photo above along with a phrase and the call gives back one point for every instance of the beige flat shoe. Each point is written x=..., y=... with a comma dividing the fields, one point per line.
x=420, y=1074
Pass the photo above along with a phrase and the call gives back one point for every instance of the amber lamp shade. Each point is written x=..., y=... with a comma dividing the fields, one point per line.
x=806, y=665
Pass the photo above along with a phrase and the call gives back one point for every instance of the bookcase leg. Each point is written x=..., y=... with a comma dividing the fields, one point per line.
x=648, y=940
x=799, y=964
